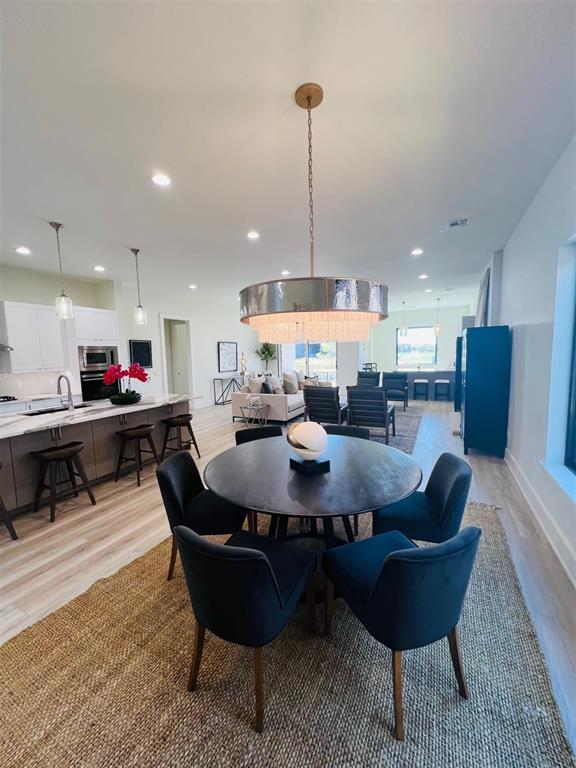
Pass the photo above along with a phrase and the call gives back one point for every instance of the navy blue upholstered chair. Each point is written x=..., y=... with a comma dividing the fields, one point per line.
x=257, y=433
x=244, y=591
x=187, y=502
x=405, y=596
x=368, y=379
x=434, y=514
x=362, y=433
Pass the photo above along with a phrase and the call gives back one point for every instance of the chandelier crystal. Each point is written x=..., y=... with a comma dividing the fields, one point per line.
x=314, y=308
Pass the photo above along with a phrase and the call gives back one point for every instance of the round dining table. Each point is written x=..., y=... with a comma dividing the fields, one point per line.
x=364, y=475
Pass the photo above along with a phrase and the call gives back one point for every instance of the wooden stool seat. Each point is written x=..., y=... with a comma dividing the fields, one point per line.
x=177, y=423
x=135, y=435
x=6, y=518
x=50, y=461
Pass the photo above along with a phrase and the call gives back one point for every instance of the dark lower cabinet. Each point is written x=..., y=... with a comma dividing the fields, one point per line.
x=81, y=433
x=7, y=485
x=25, y=467
x=486, y=360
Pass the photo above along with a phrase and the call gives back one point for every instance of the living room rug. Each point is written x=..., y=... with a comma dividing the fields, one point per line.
x=407, y=428
x=101, y=683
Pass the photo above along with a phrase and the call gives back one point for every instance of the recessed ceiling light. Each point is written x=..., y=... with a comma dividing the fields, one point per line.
x=417, y=252
x=99, y=268
x=423, y=276
x=22, y=250
x=427, y=290
x=285, y=272
x=252, y=235
x=192, y=287
x=161, y=180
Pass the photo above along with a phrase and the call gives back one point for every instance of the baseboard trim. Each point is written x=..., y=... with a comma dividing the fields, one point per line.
x=562, y=548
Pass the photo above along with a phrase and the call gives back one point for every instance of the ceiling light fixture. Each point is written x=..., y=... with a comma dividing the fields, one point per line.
x=427, y=290
x=437, y=328
x=161, y=180
x=285, y=272
x=63, y=303
x=22, y=250
x=140, y=314
x=417, y=252
x=313, y=308
x=252, y=235
x=403, y=329
x=99, y=268
x=192, y=287
x=423, y=276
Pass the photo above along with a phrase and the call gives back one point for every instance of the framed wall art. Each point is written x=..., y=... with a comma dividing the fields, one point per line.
x=227, y=356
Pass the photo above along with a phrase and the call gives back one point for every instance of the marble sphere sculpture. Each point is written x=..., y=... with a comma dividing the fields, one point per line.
x=307, y=439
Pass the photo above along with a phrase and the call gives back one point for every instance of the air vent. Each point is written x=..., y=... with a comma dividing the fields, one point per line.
x=458, y=223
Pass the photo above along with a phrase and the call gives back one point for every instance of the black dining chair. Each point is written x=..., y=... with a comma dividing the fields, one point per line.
x=405, y=596
x=247, y=436
x=395, y=386
x=362, y=433
x=434, y=514
x=368, y=407
x=368, y=379
x=322, y=404
x=187, y=502
x=245, y=592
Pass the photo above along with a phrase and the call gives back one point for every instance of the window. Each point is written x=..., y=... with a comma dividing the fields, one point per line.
x=311, y=359
x=570, y=458
x=415, y=347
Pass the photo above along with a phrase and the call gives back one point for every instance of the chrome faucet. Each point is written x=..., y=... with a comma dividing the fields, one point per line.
x=69, y=390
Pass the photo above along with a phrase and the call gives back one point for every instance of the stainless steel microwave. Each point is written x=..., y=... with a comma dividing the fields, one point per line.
x=93, y=359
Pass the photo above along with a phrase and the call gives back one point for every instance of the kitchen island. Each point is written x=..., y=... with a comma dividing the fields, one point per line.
x=95, y=425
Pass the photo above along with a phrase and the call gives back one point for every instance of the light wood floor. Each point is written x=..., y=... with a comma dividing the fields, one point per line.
x=51, y=564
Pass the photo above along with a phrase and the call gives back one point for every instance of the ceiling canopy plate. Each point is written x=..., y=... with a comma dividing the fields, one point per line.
x=311, y=91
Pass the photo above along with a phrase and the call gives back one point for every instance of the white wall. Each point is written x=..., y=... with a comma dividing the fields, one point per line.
x=42, y=288
x=529, y=276
x=210, y=322
x=382, y=347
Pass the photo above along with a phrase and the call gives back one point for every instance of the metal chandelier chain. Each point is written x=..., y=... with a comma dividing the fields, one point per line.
x=310, y=189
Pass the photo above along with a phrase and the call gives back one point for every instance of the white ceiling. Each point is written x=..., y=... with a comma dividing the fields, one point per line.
x=432, y=111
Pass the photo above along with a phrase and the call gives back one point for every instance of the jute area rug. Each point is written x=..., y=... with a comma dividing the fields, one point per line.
x=407, y=428
x=101, y=683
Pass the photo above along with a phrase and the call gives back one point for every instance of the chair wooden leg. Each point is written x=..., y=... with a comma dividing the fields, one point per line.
x=7, y=520
x=397, y=686
x=193, y=438
x=259, y=688
x=348, y=528
x=71, y=475
x=273, y=527
x=328, y=606
x=138, y=457
x=120, y=457
x=164, y=442
x=173, y=553
x=394, y=424
x=311, y=605
x=356, y=525
x=150, y=442
x=197, y=657
x=40, y=485
x=457, y=663
x=52, y=470
x=83, y=476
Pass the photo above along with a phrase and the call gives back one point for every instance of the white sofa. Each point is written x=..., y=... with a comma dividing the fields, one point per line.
x=282, y=407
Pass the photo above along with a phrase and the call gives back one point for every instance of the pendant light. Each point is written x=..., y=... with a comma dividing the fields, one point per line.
x=403, y=329
x=63, y=303
x=313, y=308
x=140, y=316
x=437, y=327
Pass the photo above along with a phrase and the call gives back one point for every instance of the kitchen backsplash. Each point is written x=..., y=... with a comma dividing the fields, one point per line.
x=21, y=385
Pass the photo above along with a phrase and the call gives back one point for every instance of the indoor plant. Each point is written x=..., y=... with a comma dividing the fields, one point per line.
x=266, y=352
x=116, y=373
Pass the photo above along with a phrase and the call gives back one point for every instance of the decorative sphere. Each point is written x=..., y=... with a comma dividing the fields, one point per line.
x=308, y=439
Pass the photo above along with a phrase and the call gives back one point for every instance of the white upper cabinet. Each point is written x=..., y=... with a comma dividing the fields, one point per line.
x=96, y=327
x=36, y=335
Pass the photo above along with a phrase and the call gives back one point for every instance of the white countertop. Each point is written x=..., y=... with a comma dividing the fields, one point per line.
x=15, y=424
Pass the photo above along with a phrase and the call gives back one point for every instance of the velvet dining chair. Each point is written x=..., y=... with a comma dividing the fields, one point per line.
x=245, y=592
x=187, y=502
x=434, y=514
x=362, y=433
x=243, y=436
x=405, y=596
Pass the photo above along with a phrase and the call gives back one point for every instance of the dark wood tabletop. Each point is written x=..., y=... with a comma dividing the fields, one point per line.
x=364, y=475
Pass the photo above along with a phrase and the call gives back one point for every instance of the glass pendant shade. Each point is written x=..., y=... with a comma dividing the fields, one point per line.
x=437, y=327
x=140, y=316
x=64, y=307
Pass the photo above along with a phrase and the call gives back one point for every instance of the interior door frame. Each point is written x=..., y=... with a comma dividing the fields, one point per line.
x=188, y=320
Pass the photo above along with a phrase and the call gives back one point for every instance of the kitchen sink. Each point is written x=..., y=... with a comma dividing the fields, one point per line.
x=58, y=409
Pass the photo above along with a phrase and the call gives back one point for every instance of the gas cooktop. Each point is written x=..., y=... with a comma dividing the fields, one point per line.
x=7, y=398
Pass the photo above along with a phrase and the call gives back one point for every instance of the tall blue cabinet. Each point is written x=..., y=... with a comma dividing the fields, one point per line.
x=486, y=359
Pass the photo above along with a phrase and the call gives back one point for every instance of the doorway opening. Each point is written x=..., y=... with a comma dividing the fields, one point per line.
x=177, y=356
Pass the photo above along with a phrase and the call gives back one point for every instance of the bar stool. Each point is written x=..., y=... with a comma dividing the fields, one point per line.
x=177, y=423
x=50, y=461
x=6, y=518
x=420, y=389
x=441, y=389
x=135, y=435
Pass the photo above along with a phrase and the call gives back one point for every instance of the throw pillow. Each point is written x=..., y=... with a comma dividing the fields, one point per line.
x=256, y=385
x=278, y=391
x=311, y=381
x=245, y=388
x=290, y=382
x=275, y=381
x=266, y=388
